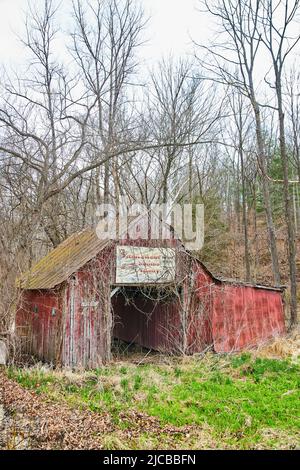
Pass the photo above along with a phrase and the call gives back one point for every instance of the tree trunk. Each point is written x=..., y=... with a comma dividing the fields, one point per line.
x=288, y=207
x=244, y=208
x=266, y=193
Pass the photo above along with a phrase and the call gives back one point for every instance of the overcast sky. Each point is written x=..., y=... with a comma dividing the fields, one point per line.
x=171, y=25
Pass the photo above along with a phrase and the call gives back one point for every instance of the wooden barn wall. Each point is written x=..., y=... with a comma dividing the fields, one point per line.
x=200, y=311
x=39, y=324
x=245, y=316
x=87, y=328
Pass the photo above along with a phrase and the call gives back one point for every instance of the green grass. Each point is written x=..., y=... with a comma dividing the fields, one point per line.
x=239, y=398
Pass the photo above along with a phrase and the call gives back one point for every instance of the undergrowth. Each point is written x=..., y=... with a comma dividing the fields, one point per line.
x=243, y=400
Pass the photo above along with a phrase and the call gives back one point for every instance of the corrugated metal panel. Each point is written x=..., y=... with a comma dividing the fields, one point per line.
x=200, y=325
x=147, y=323
x=244, y=317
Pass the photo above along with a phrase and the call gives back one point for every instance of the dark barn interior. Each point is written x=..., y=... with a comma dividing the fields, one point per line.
x=146, y=316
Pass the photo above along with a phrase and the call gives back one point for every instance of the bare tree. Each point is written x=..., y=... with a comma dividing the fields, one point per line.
x=277, y=19
x=242, y=123
x=293, y=111
x=293, y=133
x=106, y=37
x=43, y=127
x=239, y=21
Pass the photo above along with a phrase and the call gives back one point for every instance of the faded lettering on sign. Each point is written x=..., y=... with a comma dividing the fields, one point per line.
x=142, y=265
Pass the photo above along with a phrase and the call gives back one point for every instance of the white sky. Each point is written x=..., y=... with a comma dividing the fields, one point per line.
x=171, y=25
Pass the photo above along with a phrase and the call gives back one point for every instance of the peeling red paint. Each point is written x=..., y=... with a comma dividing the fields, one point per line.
x=38, y=322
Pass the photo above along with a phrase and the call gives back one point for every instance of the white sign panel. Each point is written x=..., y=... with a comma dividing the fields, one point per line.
x=139, y=265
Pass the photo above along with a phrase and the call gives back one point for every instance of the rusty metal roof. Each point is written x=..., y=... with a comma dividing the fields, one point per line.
x=63, y=261
x=238, y=282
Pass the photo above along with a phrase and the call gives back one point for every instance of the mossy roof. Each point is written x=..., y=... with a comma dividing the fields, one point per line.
x=63, y=261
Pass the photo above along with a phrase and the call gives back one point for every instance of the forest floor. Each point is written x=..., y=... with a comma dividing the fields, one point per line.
x=238, y=401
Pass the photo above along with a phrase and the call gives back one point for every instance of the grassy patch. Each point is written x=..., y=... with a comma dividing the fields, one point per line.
x=244, y=401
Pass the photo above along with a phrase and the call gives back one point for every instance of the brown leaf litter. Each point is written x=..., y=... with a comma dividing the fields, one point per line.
x=32, y=421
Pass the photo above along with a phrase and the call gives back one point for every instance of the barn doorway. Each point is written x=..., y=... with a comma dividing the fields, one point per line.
x=145, y=318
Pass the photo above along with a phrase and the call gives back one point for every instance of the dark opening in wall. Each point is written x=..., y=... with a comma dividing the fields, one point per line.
x=156, y=294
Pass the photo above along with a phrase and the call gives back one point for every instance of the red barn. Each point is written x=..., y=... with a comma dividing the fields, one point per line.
x=150, y=292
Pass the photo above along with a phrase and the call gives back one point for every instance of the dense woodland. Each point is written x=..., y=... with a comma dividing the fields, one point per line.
x=93, y=124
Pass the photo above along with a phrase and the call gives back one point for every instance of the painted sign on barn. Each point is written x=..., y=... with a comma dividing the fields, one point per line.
x=136, y=265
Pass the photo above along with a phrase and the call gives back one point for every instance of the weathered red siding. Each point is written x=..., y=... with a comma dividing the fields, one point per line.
x=80, y=331
x=245, y=316
x=200, y=312
x=39, y=324
x=87, y=325
x=207, y=313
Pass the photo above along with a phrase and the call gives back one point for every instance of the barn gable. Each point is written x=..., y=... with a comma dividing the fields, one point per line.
x=63, y=261
x=72, y=254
